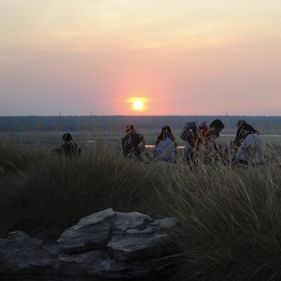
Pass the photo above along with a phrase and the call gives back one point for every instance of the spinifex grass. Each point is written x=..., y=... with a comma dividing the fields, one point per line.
x=43, y=193
x=229, y=218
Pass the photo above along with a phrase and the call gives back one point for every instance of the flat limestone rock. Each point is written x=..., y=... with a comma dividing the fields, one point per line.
x=100, y=265
x=126, y=221
x=106, y=245
x=139, y=247
x=91, y=233
x=19, y=254
x=140, y=237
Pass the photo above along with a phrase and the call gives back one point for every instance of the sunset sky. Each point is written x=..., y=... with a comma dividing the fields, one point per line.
x=155, y=57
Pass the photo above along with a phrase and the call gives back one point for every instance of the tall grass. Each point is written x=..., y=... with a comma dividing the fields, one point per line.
x=43, y=193
x=230, y=223
x=229, y=217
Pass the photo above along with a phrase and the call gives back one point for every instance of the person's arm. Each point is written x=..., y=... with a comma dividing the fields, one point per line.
x=250, y=144
x=78, y=150
x=141, y=144
x=237, y=141
x=251, y=151
x=157, y=141
x=124, y=150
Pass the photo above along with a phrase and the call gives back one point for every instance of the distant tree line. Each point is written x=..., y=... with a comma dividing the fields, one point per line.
x=265, y=124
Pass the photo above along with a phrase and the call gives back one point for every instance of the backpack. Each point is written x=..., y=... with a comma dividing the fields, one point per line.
x=191, y=132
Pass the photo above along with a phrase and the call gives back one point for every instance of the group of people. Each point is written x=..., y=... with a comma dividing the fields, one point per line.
x=133, y=144
x=201, y=143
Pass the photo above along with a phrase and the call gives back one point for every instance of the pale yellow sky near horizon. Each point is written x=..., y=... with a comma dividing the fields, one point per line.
x=186, y=57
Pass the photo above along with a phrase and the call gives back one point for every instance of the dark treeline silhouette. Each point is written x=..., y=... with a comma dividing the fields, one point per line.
x=265, y=124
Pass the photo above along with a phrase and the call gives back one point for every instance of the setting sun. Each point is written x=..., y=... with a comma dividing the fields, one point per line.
x=138, y=103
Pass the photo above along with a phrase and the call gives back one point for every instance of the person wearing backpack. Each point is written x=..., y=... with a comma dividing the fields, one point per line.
x=201, y=138
x=248, y=145
x=213, y=151
x=166, y=146
x=69, y=148
x=133, y=144
x=209, y=134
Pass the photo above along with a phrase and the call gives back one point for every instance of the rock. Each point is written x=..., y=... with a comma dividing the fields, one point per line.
x=77, y=265
x=106, y=245
x=20, y=254
x=100, y=265
x=136, y=236
x=92, y=232
x=137, y=247
x=125, y=221
x=111, y=269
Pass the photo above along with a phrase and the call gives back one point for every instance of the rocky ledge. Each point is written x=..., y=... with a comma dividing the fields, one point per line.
x=107, y=245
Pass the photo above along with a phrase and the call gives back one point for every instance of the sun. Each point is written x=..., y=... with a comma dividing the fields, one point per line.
x=138, y=103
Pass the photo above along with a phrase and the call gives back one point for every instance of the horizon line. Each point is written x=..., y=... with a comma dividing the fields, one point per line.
x=129, y=115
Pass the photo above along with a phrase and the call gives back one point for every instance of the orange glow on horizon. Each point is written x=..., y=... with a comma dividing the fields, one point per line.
x=138, y=103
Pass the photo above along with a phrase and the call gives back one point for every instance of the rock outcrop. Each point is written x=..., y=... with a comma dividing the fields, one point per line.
x=107, y=245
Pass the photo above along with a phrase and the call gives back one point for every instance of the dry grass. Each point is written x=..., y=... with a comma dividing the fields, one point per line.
x=229, y=218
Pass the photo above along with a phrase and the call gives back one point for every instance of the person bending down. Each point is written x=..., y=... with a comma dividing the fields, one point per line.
x=248, y=145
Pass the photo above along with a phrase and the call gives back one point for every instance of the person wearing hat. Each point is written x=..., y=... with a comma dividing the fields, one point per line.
x=133, y=144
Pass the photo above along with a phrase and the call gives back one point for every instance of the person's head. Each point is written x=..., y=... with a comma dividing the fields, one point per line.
x=129, y=129
x=246, y=129
x=217, y=125
x=67, y=137
x=240, y=123
x=243, y=130
x=166, y=131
